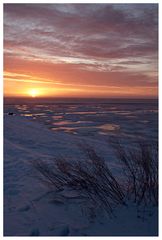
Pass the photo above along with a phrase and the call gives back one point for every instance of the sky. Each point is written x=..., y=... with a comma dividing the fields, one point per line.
x=81, y=50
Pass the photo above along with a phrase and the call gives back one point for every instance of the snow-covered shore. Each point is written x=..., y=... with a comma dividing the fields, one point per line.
x=29, y=209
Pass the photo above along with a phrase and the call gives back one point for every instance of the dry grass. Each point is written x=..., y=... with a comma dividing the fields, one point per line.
x=93, y=180
x=140, y=168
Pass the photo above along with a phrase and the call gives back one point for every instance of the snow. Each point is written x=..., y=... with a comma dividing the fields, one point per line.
x=30, y=209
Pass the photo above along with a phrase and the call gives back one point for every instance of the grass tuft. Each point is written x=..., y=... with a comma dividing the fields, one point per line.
x=93, y=180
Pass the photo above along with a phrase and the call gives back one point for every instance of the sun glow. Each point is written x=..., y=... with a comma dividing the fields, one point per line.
x=33, y=92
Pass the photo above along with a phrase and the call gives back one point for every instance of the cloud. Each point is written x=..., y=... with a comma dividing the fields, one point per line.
x=112, y=44
x=99, y=26
x=69, y=73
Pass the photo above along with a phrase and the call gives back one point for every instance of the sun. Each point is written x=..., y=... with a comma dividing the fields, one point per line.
x=33, y=92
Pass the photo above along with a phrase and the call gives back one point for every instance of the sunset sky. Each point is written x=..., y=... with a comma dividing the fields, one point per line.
x=81, y=50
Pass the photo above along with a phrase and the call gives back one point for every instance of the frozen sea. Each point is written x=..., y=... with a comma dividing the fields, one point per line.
x=99, y=118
